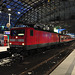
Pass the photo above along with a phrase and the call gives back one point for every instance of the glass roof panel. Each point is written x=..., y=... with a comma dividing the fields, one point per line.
x=15, y=6
x=22, y=6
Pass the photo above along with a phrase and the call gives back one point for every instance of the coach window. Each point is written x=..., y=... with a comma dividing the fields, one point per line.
x=31, y=32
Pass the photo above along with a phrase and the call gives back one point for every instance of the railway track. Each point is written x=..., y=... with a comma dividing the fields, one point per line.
x=10, y=60
x=39, y=64
x=7, y=58
x=50, y=64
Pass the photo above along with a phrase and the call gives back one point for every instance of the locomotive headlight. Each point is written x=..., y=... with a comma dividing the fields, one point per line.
x=10, y=43
x=16, y=37
x=22, y=43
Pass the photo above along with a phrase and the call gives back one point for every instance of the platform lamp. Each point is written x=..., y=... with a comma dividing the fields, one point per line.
x=0, y=11
x=8, y=24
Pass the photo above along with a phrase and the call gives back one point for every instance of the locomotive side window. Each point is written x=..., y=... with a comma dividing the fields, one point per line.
x=19, y=32
x=31, y=32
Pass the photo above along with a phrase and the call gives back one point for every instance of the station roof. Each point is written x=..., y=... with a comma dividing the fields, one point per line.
x=43, y=12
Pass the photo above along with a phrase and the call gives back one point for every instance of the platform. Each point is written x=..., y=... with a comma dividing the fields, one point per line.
x=3, y=48
x=67, y=67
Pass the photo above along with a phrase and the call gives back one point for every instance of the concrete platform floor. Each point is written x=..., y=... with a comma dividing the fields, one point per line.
x=3, y=48
x=67, y=67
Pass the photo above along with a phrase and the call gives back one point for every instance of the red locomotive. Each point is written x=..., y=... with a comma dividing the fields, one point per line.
x=27, y=38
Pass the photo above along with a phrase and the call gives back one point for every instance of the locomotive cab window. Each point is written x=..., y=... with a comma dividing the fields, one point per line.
x=19, y=32
x=31, y=32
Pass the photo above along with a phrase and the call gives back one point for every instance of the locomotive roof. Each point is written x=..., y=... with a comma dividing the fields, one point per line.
x=33, y=28
x=38, y=30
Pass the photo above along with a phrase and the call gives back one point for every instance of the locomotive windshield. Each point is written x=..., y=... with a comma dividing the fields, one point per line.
x=19, y=32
